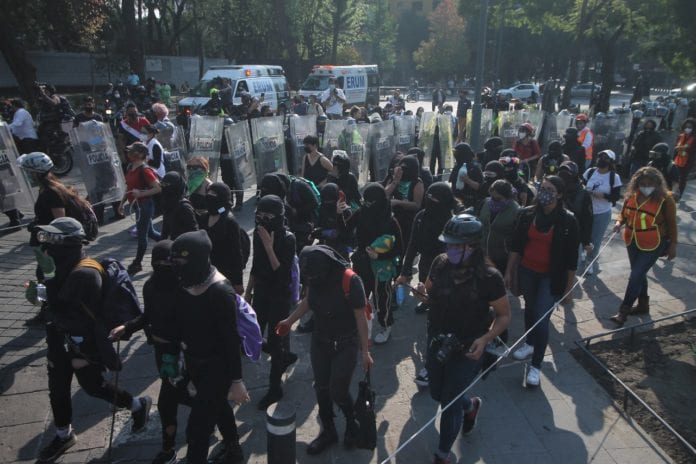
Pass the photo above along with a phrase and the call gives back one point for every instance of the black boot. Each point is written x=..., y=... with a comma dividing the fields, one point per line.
x=326, y=438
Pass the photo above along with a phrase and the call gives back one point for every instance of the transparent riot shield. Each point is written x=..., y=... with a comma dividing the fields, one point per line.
x=301, y=127
x=426, y=135
x=269, y=146
x=486, y=124
x=100, y=167
x=353, y=139
x=332, y=130
x=535, y=118
x=173, y=140
x=205, y=140
x=15, y=192
x=678, y=116
x=444, y=124
x=508, y=125
x=239, y=142
x=382, y=148
x=405, y=133
x=611, y=131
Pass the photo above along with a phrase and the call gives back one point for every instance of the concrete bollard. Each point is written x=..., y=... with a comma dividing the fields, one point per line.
x=280, y=433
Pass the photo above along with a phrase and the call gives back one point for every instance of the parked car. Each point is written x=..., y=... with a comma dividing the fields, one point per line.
x=584, y=90
x=521, y=91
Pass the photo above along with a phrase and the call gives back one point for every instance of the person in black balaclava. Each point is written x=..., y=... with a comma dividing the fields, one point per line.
x=492, y=150
x=331, y=230
x=466, y=177
x=225, y=234
x=373, y=221
x=493, y=171
x=73, y=283
x=578, y=200
x=427, y=227
x=642, y=144
x=406, y=191
x=511, y=163
x=345, y=179
x=271, y=184
x=424, y=173
x=206, y=326
x=551, y=161
x=178, y=215
x=270, y=286
x=662, y=161
x=341, y=329
x=572, y=148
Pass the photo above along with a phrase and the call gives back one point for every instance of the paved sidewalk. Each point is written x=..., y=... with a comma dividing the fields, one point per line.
x=570, y=419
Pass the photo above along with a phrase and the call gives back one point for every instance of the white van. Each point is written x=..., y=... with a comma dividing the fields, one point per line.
x=360, y=83
x=258, y=80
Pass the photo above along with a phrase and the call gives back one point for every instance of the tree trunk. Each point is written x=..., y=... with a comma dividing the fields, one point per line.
x=288, y=41
x=336, y=30
x=16, y=58
x=579, y=39
x=131, y=37
x=607, y=50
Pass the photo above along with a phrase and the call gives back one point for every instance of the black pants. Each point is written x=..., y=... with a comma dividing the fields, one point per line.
x=424, y=265
x=269, y=312
x=229, y=177
x=168, y=401
x=60, y=374
x=333, y=365
x=208, y=407
x=382, y=292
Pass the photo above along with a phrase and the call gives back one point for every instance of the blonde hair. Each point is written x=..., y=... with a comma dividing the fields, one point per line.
x=199, y=161
x=651, y=174
x=160, y=109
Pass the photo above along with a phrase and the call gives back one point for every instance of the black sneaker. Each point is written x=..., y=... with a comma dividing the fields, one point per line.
x=470, y=418
x=57, y=447
x=134, y=268
x=165, y=457
x=273, y=396
x=229, y=453
x=141, y=416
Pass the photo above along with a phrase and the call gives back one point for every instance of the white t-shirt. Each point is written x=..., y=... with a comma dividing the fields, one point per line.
x=334, y=106
x=600, y=183
x=22, y=125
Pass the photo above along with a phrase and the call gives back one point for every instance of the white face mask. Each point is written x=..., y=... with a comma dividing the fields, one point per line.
x=647, y=191
x=688, y=130
x=521, y=135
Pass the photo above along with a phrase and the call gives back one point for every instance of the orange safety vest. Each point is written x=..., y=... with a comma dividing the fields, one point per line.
x=682, y=155
x=640, y=223
x=581, y=140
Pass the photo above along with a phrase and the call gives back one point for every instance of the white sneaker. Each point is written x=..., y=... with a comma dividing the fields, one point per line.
x=422, y=379
x=523, y=353
x=533, y=376
x=383, y=335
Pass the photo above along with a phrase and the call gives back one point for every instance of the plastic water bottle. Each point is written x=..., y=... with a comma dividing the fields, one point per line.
x=41, y=292
x=400, y=294
x=463, y=171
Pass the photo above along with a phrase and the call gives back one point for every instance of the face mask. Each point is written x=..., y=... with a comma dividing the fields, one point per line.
x=308, y=149
x=688, y=130
x=458, y=256
x=214, y=205
x=647, y=191
x=545, y=197
x=195, y=179
x=332, y=87
x=603, y=164
x=521, y=135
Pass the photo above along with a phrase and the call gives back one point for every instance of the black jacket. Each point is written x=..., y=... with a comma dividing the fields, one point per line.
x=181, y=219
x=579, y=203
x=564, y=245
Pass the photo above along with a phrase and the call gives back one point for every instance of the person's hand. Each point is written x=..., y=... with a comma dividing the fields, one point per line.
x=170, y=366
x=117, y=332
x=672, y=252
x=371, y=253
x=282, y=328
x=341, y=206
x=403, y=280
x=31, y=293
x=266, y=238
x=121, y=210
x=136, y=193
x=588, y=248
x=617, y=227
x=45, y=262
x=238, y=393
x=421, y=293
x=398, y=173
x=367, y=360
x=476, y=349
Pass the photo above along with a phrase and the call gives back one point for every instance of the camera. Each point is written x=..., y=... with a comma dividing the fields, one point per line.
x=449, y=345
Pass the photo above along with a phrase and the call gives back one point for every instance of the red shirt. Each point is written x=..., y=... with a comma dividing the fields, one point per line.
x=526, y=151
x=139, y=178
x=537, y=252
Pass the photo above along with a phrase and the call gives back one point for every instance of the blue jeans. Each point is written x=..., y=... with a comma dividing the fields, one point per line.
x=641, y=262
x=447, y=381
x=600, y=222
x=536, y=289
x=144, y=213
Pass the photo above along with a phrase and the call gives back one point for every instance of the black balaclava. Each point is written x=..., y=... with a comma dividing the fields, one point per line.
x=342, y=163
x=66, y=255
x=494, y=167
x=327, y=210
x=271, y=184
x=319, y=263
x=376, y=209
x=190, y=254
x=556, y=150
x=173, y=188
x=396, y=159
x=271, y=204
x=285, y=179
x=163, y=270
x=571, y=136
x=493, y=146
x=463, y=153
x=218, y=198
x=410, y=168
x=420, y=154
x=439, y=200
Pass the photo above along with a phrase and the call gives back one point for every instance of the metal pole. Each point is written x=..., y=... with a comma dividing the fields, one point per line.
x=480, y=60
x=280, y=433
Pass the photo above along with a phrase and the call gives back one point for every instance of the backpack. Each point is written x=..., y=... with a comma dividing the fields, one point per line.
x=119, y=305
x=303, y=193
x=345, y=285
x=82, y=211
x=248, y=329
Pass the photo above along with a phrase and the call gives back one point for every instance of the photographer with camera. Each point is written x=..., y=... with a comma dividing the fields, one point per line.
x=333, y=100
x=461, y=289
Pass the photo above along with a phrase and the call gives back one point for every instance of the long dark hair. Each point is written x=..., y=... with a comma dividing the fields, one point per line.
x=50, y=181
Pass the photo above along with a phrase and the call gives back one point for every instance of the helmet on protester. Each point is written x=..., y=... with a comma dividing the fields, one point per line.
x=462, y=229
x=527, y=127
x=582, y=117
x=659, y=151
x=35, y=161
x=62, y=231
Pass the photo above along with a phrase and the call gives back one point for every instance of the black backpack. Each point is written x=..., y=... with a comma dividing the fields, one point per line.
x=80, y=209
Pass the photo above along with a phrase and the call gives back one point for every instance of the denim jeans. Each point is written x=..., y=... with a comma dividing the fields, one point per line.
x=641, y=262
x=536, y=289
x=600, y=222
x=144, y=213
x=447, y=381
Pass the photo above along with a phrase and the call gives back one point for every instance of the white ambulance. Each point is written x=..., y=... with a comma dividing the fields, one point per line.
x=259, y=80
x=360, y=83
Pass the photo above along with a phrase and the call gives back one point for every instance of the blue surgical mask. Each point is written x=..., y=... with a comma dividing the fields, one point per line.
x=458, y=255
